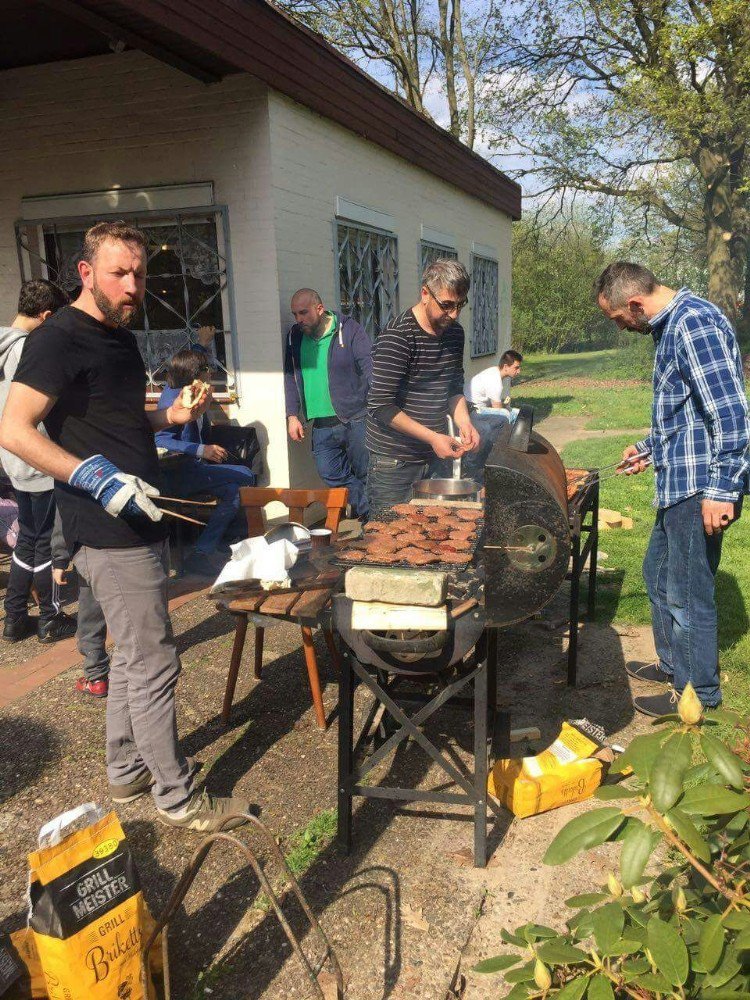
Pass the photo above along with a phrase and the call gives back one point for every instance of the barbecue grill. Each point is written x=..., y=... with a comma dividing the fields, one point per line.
x=531, y=532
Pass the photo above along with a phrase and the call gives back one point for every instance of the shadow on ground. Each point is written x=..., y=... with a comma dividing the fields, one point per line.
x=543, y=405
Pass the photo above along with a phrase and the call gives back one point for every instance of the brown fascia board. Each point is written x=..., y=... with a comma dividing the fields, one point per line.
x=256, y=38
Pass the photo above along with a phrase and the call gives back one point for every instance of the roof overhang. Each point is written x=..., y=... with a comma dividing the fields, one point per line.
x=211, y=41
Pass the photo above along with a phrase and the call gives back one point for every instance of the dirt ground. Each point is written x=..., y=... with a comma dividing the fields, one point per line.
x=405, y=911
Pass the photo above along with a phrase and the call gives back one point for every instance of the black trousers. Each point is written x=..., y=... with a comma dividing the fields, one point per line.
x=31, y=562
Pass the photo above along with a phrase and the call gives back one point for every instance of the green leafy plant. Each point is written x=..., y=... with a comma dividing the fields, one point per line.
x=683, y=932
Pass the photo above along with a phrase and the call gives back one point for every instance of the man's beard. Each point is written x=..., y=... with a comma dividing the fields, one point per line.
x=117, y=315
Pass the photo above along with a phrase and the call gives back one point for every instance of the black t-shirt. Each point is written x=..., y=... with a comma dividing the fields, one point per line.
x=98, y=377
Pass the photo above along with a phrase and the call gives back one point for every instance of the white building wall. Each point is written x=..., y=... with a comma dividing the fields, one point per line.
x=129, y=121
x=314, y=161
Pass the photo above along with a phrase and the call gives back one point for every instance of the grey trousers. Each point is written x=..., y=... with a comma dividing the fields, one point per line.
x=91, y=634
x=131, y=587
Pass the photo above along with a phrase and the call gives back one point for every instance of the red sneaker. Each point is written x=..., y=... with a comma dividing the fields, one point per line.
x=97, y=689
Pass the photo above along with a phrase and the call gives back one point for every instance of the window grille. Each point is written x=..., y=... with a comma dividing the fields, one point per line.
x=433, y=251
x=367, y=262
x=484, y=307
x=188, y=283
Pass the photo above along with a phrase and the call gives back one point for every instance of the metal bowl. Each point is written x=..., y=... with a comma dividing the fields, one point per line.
x=445, y=489
x=290, y=531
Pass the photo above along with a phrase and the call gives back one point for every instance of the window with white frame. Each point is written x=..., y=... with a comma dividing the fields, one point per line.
x=367, y=268
x=188, y=283
x=484, y=306
x=434, y=251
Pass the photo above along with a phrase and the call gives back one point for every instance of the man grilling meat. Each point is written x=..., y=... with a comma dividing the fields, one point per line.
x=698, y=446
x=417, y=380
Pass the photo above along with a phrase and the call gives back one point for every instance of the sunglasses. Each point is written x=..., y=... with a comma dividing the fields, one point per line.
x=447, y=305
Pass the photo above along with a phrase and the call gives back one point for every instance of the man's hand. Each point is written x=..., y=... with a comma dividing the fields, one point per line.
x=629, y=467
x=205, y=335
x=214, y=453
x=295, y=428
x=117, y=491
x=446, y=446
x=469, y=436
x=179, y=414
x=717, y=515
x=59, y=576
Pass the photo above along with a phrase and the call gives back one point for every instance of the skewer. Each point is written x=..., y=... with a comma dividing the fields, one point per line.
x=181, y=517
x=191, y=503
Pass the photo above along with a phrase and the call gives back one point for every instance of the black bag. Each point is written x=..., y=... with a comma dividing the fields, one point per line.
x=241, y=442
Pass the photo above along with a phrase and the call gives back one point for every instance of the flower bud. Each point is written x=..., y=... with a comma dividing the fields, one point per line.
x=614, y=885
x=542, y=976
x=678, y=899
x=638, y=895
x=689, y=707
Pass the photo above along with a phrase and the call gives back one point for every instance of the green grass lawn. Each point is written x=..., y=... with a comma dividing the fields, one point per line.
x=610, y=407
x=621, y=592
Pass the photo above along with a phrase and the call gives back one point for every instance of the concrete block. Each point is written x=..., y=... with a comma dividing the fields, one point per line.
x=419, y=587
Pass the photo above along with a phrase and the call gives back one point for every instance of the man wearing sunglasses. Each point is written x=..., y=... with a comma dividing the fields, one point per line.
x=417, y=381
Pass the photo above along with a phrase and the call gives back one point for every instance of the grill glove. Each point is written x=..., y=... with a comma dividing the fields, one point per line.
x=117, y=492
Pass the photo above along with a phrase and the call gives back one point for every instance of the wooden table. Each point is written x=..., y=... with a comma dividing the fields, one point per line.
x=307, y=602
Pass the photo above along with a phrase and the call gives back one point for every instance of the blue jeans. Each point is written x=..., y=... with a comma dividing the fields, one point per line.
x=341, y=460
x=391, y=480
x=489, y=425
x=680, y=574
x=191, y=477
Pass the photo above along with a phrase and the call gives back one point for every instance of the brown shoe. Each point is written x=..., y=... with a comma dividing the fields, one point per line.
x=206, y=813
x=120, y=794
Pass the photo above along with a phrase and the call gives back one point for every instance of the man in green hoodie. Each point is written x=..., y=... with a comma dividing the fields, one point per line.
x=31, y=563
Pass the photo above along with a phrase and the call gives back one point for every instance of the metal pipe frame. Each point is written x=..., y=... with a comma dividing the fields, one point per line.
x=189, y=875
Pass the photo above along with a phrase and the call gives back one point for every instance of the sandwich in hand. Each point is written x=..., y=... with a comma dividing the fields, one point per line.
x=194, y=393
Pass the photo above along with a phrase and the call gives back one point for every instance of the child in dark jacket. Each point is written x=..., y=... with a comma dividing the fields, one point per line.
x=91, y=633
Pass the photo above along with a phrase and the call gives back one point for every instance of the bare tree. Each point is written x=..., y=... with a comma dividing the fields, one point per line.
x=449, y=43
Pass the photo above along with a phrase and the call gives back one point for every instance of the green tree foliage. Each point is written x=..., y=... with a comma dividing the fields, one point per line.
x=554, y=266
x=624, y=99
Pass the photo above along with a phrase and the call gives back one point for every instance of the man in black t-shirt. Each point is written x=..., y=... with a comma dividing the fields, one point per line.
x=417, y=380
x=83, y=375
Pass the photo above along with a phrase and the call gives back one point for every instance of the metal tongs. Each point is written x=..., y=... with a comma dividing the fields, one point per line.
x=618, y=467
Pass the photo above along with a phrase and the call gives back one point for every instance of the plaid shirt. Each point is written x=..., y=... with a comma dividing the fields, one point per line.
x=700, y=430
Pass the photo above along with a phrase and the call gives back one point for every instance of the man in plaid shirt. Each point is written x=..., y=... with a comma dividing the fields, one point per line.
x=699, y=448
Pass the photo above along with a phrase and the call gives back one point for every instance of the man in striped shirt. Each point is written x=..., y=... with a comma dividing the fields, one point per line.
x=417, y=380
x=698, y=447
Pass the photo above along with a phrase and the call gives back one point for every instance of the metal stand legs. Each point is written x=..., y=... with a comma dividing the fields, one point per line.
x=354, y=764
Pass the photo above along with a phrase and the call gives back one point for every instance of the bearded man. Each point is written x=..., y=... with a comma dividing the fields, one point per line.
x=83, y=375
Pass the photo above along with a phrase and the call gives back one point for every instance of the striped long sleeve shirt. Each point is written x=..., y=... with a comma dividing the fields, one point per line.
x=416, y=373
x=700, y=432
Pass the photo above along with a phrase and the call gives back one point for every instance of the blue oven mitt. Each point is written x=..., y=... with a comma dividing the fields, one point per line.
x=117, y=492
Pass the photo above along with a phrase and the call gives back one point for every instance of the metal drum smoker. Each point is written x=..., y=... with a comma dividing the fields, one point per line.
x=535, y=534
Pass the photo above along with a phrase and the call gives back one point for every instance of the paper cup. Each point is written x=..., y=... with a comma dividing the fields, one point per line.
x=320, y=537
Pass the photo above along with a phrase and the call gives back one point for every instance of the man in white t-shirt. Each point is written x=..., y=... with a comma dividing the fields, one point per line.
x=488, y=395
x=490, y=389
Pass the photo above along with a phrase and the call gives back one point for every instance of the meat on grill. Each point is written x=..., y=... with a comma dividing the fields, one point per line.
x=418, y=536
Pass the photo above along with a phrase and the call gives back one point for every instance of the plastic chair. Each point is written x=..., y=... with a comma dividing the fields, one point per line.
x=253, y=499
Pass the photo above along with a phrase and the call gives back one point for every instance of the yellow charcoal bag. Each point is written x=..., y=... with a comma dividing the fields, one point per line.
x=88, y=915
x=569, y=770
